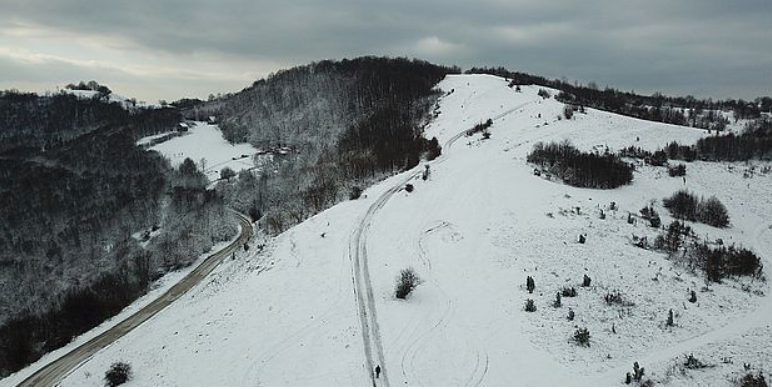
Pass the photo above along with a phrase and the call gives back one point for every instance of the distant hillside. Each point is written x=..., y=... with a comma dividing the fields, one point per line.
x=38, y=122
x=79, y=203
x=686, y=111
x=347, y=121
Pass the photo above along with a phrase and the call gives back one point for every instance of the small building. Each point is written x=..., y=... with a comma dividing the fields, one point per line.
x=182, y=127
x=212, y=120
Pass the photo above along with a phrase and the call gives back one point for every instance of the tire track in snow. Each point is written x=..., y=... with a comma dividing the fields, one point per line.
x=373, y=345
x=508, y=112
x=363, y=289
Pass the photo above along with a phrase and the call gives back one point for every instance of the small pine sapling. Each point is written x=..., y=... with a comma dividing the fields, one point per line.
x=557, y=303
x=637, y=372
x=586, y=281
x=530, y=284
x=569, y=291
x=582, y=337
x=570, y=316
x=530, y=306
x=693, y=297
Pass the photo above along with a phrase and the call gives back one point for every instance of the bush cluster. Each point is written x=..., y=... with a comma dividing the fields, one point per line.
x=717, y=262
x=576, y=168
x=686, y=206
x=480, y=127
x=750, y=380
x=677, y=170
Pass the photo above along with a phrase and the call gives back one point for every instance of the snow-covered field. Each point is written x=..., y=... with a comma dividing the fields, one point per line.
x=204, y=144
x=481, y=223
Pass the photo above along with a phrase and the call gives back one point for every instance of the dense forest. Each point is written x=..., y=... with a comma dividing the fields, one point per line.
x=689, y=111
x=87, y=218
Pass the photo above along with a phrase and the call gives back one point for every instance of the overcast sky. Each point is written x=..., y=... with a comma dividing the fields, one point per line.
x=153, y=49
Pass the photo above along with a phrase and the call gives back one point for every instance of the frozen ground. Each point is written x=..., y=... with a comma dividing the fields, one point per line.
x=474, y=230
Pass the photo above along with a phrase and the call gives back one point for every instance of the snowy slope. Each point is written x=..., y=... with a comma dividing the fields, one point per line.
x=288, y=315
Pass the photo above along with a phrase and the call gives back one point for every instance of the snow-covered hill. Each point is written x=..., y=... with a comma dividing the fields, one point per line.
x=481, y=223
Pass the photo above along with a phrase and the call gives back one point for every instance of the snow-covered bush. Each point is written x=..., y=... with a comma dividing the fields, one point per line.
x=557, y=303
x=677, y=170
x=355, y=193
x=693, y=363
x=407, y=281
x=530, y=306
x=118, y=374
x=751, y=380
x=682, y=205
x=712, y=212
x=568, y=111
x=616, y=298
x=433, y=149
x=568, y=291
x=582, y=337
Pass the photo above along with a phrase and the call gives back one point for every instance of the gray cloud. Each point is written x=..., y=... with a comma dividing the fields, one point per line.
x=702, y=47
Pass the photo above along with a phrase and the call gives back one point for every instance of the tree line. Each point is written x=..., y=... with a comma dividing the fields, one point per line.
x=688, y=110
x=754, y=142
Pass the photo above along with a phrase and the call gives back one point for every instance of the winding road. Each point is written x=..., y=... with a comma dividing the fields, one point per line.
x=54, y=372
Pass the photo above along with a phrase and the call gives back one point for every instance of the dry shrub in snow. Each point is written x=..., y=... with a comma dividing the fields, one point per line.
x=582, y=337
x=753, y=380
x=530, y=306
x=406, y=281
x=118, y=374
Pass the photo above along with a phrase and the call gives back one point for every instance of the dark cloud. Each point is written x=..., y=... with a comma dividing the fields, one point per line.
x=702, y=47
